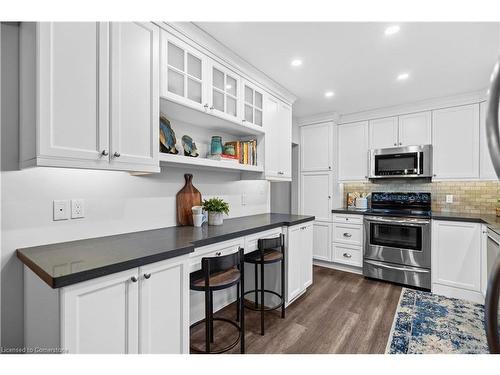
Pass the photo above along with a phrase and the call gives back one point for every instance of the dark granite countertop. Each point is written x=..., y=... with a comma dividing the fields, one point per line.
x=68, y=263
x=491, y=221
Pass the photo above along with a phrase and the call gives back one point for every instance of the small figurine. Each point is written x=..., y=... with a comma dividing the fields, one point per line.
x=189, y=146
x=167, y=137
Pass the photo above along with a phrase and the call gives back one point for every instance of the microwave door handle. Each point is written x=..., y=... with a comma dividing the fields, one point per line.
x=418, y=163
x=492, y=130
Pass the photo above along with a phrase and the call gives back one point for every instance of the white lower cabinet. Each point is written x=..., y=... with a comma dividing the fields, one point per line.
x=457, y=259
x=322, y=241
x=347, y=237
x=299, y=260
x=141, y=310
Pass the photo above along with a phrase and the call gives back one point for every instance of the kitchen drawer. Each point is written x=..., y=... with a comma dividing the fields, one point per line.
x=252, y=239
x=351, y=255
x=348, y=234
x=222, y=248
x=348, y=219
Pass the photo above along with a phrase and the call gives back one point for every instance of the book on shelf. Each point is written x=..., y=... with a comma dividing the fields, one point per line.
x=245, y=151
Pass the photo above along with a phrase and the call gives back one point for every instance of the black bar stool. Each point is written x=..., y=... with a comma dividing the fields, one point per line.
x=270, y=250
x=218, y=273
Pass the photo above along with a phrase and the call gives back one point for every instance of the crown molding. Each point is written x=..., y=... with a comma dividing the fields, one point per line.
x=320, y=117
x=198, y=38
x=418, y=106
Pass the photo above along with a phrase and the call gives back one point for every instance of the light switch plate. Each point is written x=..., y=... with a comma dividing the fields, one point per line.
x=77, y=208
x=61, y=210
x=449, y=198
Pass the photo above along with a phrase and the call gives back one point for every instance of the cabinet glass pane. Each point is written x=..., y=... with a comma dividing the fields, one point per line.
x=194, y=66
x=218, y=79
x=231, y=86
x=258, y=99
x=218, y=99
x=248, y=113
x=175, y=56
x=194, y=90
x=258, y=117
x=231, y=106
x=175, y=82
x=248, y=95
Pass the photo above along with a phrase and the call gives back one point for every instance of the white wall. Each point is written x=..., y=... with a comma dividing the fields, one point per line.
x=116, y=202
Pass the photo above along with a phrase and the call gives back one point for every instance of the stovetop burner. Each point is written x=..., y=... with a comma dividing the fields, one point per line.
x=400, y=204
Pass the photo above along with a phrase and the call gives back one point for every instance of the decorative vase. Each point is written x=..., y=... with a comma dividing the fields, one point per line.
x=216, y=145
x=215, y=218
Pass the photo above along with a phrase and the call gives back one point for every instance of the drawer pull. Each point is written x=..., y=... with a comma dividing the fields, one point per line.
x=347, y=255
x=218, y=253
x=348, y=235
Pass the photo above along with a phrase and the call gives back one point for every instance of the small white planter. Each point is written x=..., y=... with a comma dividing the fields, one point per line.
x=215, y=218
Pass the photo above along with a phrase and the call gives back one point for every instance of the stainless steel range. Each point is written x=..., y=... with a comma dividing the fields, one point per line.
x=397, y=240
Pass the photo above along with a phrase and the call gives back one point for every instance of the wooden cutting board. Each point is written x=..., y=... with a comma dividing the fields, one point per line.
x=186, y=198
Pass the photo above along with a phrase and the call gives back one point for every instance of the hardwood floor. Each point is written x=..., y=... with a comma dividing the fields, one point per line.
x=340, y=313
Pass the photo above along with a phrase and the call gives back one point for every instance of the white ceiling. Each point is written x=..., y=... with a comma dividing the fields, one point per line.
x=360, y=64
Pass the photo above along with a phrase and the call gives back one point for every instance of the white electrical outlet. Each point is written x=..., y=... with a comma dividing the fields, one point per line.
x=61, y=210
x=77, y=208
x=449, y=198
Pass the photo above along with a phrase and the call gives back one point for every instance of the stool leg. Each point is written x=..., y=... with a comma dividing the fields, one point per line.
x=283, y=288
x=262, y=298
x=211, y=316
x=238, y=302
x=242, y=320
x=208, y=303
x=256, y=274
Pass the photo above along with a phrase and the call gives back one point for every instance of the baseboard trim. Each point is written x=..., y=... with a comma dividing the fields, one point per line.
x=339, y=267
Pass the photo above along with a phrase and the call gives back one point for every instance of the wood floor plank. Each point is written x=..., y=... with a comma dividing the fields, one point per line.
x=340, y=313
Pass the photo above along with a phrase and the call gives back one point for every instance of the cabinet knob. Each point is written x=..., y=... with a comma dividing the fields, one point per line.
x=147, y=275
x=348, y=235
x=218, y=253
x=330, y=167
x=243, y=120
x=347, y=255
x=116, y=154
x=433, y=175
x=212, y=107
x=400, y=143
x=329, y=197
x=205, y=106
x=395, y=144
x=133, y=279
x=366, y=176
x=104, y=153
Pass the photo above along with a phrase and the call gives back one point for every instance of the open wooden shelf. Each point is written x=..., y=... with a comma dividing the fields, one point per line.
x=203, y=163
x=184, y=113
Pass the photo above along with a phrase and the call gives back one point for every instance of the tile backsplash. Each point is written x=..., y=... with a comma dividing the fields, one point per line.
x=478, y=197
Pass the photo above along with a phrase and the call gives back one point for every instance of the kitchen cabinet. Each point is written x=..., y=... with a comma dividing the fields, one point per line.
x=224, y=93
x=278, y=140
x=316, y=147
x=299, y=260
x=141, y=310
x=486, y=170
x=253, y=104
x=455, y=139
x=183, y=76
x=347, y=246
x=348, y=254
x=77, y=108
x=457, y=254
x=383, y=132
x=322, y=241
x=415, y=129
x=353, y=151
x=316, y=189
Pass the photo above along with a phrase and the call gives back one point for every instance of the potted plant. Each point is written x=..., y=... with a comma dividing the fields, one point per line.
x=215, y=207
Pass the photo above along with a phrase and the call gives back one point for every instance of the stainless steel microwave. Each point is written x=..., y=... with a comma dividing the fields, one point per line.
x=396, y=162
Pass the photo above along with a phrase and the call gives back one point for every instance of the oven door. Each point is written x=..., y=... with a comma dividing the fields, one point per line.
x=398, y=240
x=398, y=164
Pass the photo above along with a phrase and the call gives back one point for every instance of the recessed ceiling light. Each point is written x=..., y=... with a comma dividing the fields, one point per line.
x=403, y=76
x=391, y=30
x=329, y=94
x=296, y=62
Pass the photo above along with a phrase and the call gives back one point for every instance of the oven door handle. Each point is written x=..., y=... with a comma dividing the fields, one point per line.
x=402, y=268
x=397, y=221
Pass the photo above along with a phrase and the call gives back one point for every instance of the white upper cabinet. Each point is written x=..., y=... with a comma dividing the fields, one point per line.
x=253, y=104
x=415, y=129
x=316, y=147
x=278, y=141
x=455, y=139
x=353, y=151
x=183, y=75
x=383, y=132
x=89, y=90
x=225, y=92
x=316, y=193
x=134, y=93
x=486, y=170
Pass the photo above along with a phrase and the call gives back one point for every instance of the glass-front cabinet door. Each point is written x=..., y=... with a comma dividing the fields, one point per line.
x=182, y=68
x=252, y=104
x=224, y=92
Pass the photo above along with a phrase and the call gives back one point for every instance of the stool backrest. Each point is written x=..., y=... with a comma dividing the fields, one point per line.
x=211, y=265
x=271, y=243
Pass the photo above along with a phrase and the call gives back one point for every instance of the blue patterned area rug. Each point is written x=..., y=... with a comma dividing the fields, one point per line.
x=426, y=323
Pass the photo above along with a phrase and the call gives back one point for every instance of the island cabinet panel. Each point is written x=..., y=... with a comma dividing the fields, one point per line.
x=299, y=260
x=101, y=315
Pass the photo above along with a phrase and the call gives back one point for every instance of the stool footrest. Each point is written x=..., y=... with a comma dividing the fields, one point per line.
x=265, y=308
x=224, y=349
